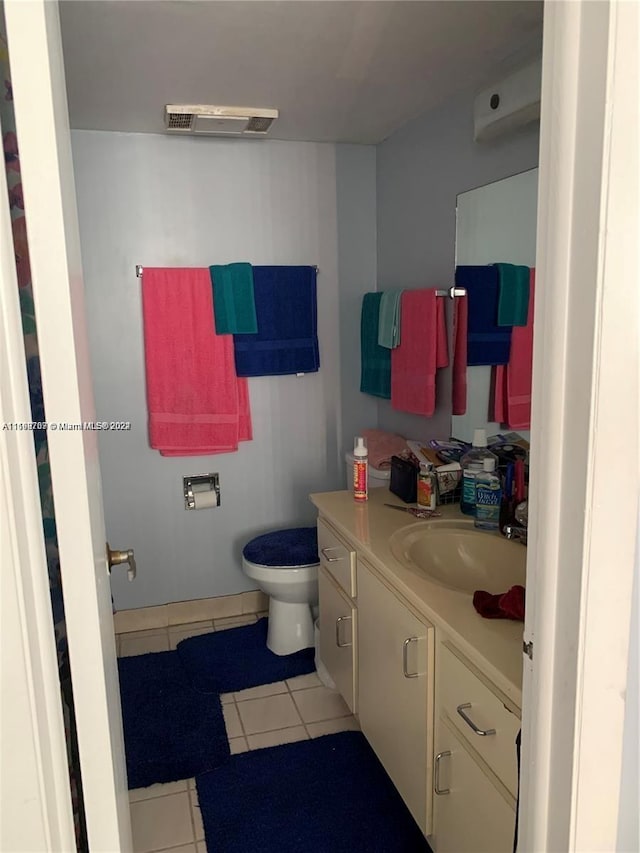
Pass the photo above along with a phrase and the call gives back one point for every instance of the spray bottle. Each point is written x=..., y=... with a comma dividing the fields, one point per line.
x=360, y=470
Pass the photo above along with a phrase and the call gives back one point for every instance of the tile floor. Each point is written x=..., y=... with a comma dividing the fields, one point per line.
x=167, y=817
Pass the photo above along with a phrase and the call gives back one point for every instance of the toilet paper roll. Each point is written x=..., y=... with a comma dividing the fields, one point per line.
x=206, y=499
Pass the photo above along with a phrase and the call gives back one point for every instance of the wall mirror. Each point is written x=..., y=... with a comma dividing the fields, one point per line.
x=494, y=223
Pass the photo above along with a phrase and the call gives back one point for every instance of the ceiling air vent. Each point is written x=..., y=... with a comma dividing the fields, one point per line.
x=205, y=120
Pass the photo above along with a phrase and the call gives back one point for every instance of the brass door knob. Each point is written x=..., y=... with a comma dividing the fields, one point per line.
x=117, y=558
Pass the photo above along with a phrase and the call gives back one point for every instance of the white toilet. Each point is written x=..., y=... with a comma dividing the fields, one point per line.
x=284, y=564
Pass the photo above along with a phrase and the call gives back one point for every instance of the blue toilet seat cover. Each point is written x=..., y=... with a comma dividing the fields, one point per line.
x=296, y=546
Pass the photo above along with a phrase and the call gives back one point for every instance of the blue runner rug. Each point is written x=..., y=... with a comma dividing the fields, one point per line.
x=328, y=795
x=170, y=730
x=237, y=658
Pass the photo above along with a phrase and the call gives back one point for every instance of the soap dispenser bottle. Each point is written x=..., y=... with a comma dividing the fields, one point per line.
x=471, y=464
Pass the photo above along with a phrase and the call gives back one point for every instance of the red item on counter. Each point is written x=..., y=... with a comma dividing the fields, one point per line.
x=505, y=605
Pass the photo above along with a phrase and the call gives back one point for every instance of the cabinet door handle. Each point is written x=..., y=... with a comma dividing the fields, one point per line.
x=405, y=650
x=436, y=782
x=329, y=559
x=482, y=732
x=338, y=621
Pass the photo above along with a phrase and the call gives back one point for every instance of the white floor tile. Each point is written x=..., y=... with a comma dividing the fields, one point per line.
x=159, y=790
x=302, y=682
x=320, y=703
x=226, y=698
x=331, y=727
x=162, y=822
x=198, y=826
x=262, y=690
x=272, y=712
x=232, y=721
x=176, y=635
x=184, y=848
x=201, y=847
x=278, y=737
x=143, y=642
x=237, y=745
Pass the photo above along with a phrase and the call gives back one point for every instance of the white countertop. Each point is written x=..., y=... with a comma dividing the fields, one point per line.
x=493, y=645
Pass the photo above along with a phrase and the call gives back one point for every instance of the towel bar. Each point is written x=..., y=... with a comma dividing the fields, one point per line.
x=140, y=270
x=452, y=292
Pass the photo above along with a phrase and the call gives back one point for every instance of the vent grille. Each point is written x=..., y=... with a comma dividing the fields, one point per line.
x=179, y=121
x=258, y=124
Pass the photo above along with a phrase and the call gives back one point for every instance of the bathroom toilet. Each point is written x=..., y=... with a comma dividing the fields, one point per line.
x=284, y=565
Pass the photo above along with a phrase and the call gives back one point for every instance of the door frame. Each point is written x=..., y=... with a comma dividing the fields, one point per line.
x=578, y=608
x=46, y=170
x=583, y=503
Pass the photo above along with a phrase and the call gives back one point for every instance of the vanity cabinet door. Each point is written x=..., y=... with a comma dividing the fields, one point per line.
x=338, y=636
x=395, y=690
x=470, y=814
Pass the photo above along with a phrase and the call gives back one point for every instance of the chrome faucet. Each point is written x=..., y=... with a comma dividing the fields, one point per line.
x=518, y=532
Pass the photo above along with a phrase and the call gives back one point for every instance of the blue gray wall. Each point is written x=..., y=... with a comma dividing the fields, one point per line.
x=420, y=170
x=161, y=201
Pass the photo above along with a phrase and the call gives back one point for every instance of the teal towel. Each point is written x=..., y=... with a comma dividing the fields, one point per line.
x=233, y=303
x=513, y=302
x=389, y=325
x=375, y=364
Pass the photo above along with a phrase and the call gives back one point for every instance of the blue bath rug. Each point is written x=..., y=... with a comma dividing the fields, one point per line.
x=328, y=795
x=237, y=658
x=171, y=732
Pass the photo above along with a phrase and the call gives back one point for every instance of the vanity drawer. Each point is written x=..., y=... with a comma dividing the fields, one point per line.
x=338, y=558
x=463, y=693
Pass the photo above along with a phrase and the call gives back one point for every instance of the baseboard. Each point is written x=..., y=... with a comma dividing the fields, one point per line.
x=183, y=612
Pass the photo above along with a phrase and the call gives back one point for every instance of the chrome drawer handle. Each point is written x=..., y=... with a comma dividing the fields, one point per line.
x=405, y=650
x=482, y=732
x=338, y=621
x=436, y=782
x=329, y=559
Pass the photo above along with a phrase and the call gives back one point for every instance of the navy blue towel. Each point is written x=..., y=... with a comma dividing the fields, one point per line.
x=487, y=342
x=170, y=730
x=238, y=658
x=296, y=546
x=287, y=337
x=327, y=795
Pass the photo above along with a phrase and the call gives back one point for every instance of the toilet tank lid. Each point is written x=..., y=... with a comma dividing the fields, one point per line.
x=295, y=546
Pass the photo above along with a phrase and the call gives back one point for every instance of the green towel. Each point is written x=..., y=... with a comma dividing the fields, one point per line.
x=389, y=326
x=513, y=302
x=233, y=302
x=375, y=363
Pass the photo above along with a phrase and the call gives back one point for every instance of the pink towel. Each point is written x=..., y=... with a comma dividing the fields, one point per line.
x=459, y=378
x=197, y=405
x=381, y=446
x=512, y=382
x=423, y=349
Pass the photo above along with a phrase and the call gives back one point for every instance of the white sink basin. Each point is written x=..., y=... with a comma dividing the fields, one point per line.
x=453, y=553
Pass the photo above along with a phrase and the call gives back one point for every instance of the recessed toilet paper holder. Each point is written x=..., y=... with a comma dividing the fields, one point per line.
x=198, y=483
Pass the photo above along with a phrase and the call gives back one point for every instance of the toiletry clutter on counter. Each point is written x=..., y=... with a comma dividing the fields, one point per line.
x=487, y=477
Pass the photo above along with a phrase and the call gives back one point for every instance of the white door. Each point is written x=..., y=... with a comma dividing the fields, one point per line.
x=40, y=104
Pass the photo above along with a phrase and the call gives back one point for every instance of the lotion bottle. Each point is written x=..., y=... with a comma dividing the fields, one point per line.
x=360, y=470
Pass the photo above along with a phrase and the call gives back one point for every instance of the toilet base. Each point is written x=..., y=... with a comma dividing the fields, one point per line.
x=290, y=627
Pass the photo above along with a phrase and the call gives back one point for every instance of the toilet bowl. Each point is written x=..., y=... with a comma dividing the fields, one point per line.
x=284, y=565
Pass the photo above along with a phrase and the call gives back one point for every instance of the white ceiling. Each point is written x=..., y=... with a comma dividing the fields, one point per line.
x=337, y=71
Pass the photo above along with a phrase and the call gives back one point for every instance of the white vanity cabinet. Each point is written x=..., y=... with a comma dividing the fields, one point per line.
x=436, y=692
x=395, y=689
x=338, y=613
x=475, y=765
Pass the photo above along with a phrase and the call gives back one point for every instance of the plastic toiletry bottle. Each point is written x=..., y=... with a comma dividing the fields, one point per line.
x=488, y=496
x=360, y=470
x=426, y=486
x=471, y=464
